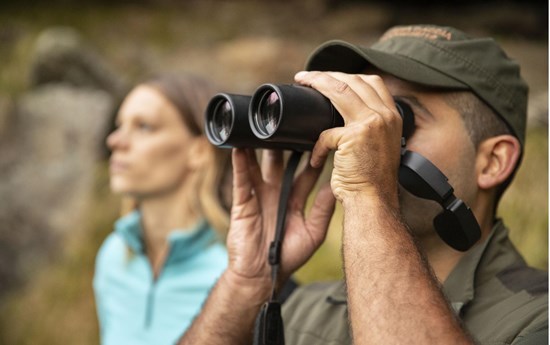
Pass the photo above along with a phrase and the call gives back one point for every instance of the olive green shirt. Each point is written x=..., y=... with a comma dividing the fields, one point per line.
x=497, y=296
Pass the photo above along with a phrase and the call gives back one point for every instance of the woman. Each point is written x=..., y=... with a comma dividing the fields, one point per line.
x=154, y=271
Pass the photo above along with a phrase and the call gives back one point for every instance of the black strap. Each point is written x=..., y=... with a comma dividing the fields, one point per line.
x=269, y=329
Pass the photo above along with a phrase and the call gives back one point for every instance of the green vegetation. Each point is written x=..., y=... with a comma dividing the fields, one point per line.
x=524, y=207
x=57, y=306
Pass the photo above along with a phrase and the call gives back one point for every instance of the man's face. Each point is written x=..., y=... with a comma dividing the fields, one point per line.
x=441, y=137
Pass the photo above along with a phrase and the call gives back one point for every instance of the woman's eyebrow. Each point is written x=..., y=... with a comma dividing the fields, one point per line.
x=416, y=103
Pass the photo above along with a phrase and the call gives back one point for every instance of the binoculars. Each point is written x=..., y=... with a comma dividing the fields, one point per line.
x=286, y=116
x=292, y=117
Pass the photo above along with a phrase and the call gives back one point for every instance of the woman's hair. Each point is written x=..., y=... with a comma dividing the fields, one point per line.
x=190, y=94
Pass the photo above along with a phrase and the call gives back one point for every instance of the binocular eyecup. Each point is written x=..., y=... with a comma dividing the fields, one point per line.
x=284, y=116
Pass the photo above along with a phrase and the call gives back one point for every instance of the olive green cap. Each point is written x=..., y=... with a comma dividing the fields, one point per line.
x=438, y=57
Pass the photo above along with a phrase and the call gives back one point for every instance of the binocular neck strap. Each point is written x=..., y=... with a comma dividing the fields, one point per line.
x=269, y=329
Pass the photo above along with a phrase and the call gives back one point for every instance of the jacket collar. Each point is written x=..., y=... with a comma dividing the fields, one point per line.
x=183, y=243
x=481, y=263
x=459, y=287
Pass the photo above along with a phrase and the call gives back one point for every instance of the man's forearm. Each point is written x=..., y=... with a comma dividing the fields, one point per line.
x=228, y=314
x=393, y=297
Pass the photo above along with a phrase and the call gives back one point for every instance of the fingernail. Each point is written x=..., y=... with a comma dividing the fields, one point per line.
x=313, y=163
x=300, y=75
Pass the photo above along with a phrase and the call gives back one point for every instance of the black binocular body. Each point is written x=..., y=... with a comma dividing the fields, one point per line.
x=284, y=116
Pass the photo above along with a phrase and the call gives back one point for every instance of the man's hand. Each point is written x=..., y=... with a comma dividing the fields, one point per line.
x=367, y=147
x=229, y=312
x=253, y=216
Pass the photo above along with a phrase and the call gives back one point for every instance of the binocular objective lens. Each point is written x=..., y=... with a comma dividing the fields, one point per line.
x=222, y=119
x=269, y=113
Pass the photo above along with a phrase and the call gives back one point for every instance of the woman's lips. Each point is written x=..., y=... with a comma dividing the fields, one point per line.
x=117, y=166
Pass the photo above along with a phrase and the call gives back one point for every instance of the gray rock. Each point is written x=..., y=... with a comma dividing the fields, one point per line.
x=48, y=173
x=62, y=55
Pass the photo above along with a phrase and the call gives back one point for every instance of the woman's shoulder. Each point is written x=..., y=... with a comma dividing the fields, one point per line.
x=125, y=230
x=113, y=249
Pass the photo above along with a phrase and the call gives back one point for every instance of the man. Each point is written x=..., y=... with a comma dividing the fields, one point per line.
x=403, y=284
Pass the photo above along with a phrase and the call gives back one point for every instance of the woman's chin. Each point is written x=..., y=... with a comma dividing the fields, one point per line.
x=121, y=188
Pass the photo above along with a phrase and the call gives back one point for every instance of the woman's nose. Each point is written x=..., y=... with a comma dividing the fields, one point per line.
x=116, y=139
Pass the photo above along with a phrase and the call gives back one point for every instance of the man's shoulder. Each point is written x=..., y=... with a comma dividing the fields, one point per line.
x=317, y=314
x=499, y=298
x=520, y=277
x=510, y=306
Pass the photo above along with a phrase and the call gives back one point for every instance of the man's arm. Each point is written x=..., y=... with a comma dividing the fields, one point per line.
x=392, y=296
x=229, y=312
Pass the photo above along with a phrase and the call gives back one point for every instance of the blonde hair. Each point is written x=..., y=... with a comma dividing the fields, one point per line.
x=190, y=94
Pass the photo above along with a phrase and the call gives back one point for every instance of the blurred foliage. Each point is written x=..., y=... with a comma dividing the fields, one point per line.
x=58, y=307
x=524, y=206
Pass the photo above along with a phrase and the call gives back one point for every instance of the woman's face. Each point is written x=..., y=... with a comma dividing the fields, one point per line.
x=149, y=146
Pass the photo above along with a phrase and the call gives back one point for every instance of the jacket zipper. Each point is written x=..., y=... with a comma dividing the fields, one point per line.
x=150, y=305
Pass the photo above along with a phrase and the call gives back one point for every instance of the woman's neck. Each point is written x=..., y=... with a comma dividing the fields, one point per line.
x=160, y=216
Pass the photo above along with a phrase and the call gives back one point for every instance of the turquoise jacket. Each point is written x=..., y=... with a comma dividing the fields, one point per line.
x=133, y=307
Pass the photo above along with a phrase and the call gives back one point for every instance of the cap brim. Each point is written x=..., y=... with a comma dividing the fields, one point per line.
x=344, y=57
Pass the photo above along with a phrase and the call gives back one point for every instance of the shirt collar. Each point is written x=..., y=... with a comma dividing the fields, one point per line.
x=459, y=287
x=183, y=243
x=130, y=229
x=477, y=264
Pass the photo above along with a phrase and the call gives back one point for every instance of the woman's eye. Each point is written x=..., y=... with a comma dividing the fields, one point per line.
x=145, y=127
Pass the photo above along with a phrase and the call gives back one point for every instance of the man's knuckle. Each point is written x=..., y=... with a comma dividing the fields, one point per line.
x=323, y=137
x=341, y=87
x=376, y=120
x=375, y=79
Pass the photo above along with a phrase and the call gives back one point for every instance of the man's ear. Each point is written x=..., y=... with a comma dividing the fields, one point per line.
x=496, y=160
x=200, y=152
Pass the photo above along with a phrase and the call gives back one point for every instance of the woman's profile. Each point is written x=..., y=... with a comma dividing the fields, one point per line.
x=155, y=269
